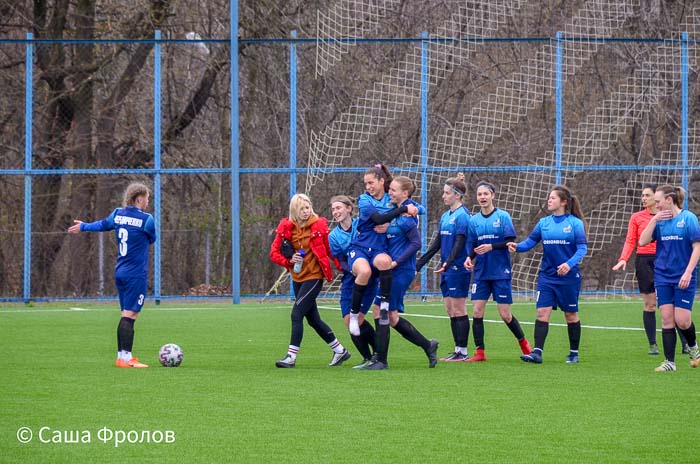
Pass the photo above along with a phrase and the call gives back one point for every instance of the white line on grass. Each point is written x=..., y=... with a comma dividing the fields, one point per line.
x=333, y=308
x=114, y=308
x=435, y=316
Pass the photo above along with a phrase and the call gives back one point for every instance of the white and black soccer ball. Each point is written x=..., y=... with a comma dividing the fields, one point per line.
x=170, y=355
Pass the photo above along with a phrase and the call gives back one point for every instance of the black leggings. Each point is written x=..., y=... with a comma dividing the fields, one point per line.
x=305, y=307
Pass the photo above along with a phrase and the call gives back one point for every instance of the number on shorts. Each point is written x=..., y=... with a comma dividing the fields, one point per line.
x=141, y=297
x=473, y=288
x=123, y=237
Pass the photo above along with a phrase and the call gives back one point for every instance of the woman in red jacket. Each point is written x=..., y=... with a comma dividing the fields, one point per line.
x=644, y=265
x=301, y=246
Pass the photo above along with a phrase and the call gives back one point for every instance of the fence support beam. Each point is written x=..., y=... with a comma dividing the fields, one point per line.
x=424, y=86
x=157, y=165
x=235, y=158
x=28, y=116
x=559, y=107
x=684, y=114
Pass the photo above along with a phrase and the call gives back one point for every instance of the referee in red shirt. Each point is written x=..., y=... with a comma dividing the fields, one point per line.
x=644, y=265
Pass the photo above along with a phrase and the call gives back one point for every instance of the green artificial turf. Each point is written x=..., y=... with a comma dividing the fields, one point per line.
x=228, y=402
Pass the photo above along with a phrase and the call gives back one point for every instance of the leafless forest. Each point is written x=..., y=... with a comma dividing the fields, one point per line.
x=93, y=108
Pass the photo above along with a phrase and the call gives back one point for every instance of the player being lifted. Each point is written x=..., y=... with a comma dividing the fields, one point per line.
x=369, y=248
x=404, y=242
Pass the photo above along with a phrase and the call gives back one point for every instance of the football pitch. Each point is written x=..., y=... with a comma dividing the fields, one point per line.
x=62, y=395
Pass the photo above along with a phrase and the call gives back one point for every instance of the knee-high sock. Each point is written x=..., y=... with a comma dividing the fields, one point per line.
x=367, y=331
x=460, y=330
x=410, y=333
x=385, y=280
x=125, y=333
x=382, y=337
x=574, y=330
x=649, y=318
x=120, y=344
x=515, y=328
x=689, y=334
x=681, y=336
x=478, y=331
x=363, y=342
x=541, y=330
x=668, y=336
x=358, y=293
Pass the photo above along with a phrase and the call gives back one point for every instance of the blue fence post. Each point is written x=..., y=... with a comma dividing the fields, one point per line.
x=157, y=164
x=293, y=115
x=292, y=125
x=235, y=158
x=424, y=86
x=559, y=106
x=684, y=113
x=28, y=116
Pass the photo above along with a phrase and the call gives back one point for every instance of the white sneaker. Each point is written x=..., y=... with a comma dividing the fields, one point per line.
x=286, y=362
x=354, y=326
x=339, y=358
x=666, y=366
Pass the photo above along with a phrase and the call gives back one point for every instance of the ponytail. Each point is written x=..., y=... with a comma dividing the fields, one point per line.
x=573, y=205
x=381, y=172
x=677, y=193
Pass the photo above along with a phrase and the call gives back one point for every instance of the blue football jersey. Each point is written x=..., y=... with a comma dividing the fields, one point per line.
x=366, y=236
x=561, y=237
x=135, y=232
x=399, y=241
x=453, y=223
x=674, y=245
x=340, y=239
x=494, y=228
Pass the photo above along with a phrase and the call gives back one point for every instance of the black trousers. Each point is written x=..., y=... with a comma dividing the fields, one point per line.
x=305, y=307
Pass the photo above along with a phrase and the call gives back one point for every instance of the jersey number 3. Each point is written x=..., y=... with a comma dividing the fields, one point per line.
x=123, y=237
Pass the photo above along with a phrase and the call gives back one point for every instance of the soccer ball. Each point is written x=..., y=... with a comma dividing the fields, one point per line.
x=170, y=355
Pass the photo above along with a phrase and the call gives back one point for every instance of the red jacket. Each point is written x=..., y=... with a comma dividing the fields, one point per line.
x=318, y=243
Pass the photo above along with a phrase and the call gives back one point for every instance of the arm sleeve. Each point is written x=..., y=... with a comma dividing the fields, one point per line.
x=472, y=240
x=150, y=229
x=412, y=248
x=581, y=250
x=430, y=252
x=275, y=253
x=456, y=248
x=504, y=244
x=525, y=245
x=102, y=225
x=630, y=241
x=336, y=248
x=379, y=218
x=532, y=240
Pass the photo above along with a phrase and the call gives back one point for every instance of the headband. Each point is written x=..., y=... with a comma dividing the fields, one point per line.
x=454, y=190
x=487, y=186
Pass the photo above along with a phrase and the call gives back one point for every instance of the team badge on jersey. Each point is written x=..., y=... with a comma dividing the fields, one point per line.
x=567, y=229
x=496, y=223
x=680, y=223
